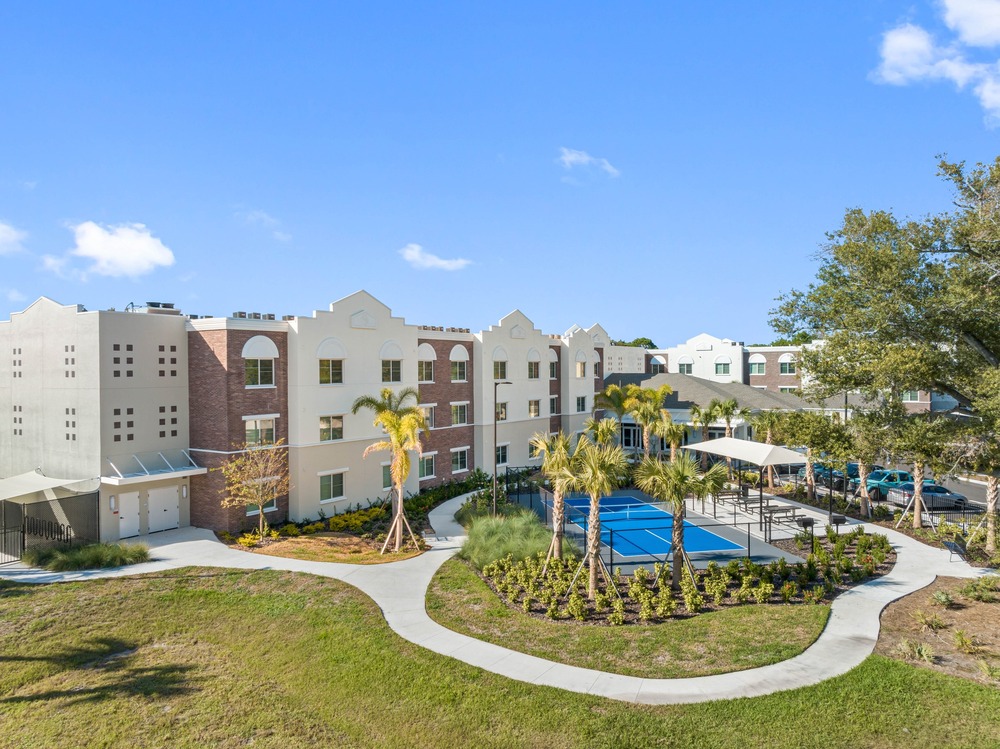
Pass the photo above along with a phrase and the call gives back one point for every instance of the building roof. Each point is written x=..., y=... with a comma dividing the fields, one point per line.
x=690, y=391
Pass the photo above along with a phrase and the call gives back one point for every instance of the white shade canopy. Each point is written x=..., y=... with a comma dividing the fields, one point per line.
x=749, y=452
x=34, y=481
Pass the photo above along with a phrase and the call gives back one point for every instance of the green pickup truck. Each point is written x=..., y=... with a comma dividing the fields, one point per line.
x=880, y=482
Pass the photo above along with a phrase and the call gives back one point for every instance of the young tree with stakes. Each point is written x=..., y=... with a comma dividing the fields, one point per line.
x=555, y=453
x=402, y=425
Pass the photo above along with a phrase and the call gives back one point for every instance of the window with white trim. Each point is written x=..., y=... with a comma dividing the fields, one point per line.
x=533, y=451
x=392, y=370
x=460, y=460
x=722, y=368
x=685, y=367
x=758, y=367
x=501, y=455
x=502, y=411
x=534, y=369
x=258, y=372
x=331, y=428
x=386, y=476
x=331, y=487
x=426, y=467
x=788, y=389
x=428, y=412
x=553, y=370
x=534, y=409
x=554, y=405
x=331, y=371
x=786, y=367
x=459, y=413
x=268, y=507
x=425, y=371
x=911, y=396
x=259, y=431
x=499, y=370
x=459, y=371
x=581, y=369
x=581, y=403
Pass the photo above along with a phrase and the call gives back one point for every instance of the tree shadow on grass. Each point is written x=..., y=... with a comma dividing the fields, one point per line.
x=109, y=658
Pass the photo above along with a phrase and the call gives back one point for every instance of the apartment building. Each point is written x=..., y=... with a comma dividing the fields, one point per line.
x=100, y=399
x=150, y=402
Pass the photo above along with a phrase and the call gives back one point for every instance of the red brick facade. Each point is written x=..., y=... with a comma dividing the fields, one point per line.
x=444, y=392
x=218, y=401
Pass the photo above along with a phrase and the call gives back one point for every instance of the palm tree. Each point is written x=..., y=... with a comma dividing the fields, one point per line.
x=729, y=410
x=555, y=454
x=644, y=406
x=402, y=425
x=766, y=426
x=703, y=418
x=602, y=431
x=672, y=482
x=612, y=398
x=669, y=430
x=597, y=471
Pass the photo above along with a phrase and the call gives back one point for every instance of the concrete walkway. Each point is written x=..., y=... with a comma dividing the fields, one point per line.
x=399, y=589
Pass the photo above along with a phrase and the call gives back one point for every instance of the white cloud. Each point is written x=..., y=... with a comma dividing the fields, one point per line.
x=977, y=22
x=570, y=158
x=128, y=250
x=910, y=54
x=10, y=239
x=267, y=221
x=415, y=255
x=13, y=295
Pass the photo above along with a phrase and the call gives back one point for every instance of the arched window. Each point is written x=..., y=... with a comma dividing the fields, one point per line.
x=499, y=363
x=786, y=364
x=259, y=354
x=459, y=359
x=758, y=364
x=426, y=356
x=392, y=362
x=723, y=365
x=534, y=364
x=685, y=365
x=331, y=355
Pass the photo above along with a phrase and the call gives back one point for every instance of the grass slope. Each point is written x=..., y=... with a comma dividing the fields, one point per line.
x=194, y=658
x=732, y=639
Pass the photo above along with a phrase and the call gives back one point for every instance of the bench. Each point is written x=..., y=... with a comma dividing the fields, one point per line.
x=956, y=546
x=783, y=512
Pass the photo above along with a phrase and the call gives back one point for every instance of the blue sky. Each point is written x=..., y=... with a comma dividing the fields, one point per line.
x=661, y=168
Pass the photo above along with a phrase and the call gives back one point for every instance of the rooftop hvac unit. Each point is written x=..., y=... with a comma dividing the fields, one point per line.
x=154, y=305
x=240, y=315
x=269, y=317
x=286, y=318
x=255, y=315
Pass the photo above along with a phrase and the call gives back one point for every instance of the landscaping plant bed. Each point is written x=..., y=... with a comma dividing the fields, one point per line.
x=327, y=546
x=952, y=626
x=836, y=564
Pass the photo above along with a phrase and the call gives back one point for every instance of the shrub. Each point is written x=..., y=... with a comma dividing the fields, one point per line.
x=89, y=557
x=693, y=600
x=966, y=644
x=521, y=535
x=915, y=651
x=291, y=530
x=932, y=622
x=248, y=540
x=316, y=527
x=942, y=598
x=984, y=589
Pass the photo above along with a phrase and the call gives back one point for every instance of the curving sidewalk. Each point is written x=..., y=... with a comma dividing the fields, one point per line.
x=399, y=589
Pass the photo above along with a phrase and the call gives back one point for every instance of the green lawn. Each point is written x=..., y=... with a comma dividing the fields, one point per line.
x=198, y=658
x=732, y=639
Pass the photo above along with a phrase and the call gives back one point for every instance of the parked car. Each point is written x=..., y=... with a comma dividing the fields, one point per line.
x=935, y=496
x=880, y=482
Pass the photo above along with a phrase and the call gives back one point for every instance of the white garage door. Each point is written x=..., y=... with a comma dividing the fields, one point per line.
x=128, y=514
x=164, y=508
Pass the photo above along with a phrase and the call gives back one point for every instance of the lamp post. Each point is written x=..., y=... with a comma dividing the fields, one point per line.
x=496, y=385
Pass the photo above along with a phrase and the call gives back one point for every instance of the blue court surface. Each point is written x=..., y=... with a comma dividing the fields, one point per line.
x=642, y=529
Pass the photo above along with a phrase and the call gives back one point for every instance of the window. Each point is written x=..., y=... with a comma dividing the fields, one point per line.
x=259, y=431
x=502, y=411
x=533, y=370
x=499, y=370
x=459, y=413
x=331, y=371
x=387, y=476
x=392, y=370
x=722, y=368
x=786, y=367
x=426, y=467
x=331, y=487
x=458, y=371
x=554, y=404
x=911, y=396
x=425, y=371
x=758, y=367
x=553, y=370
x=597, y=369
x=331, y=428
x=656, y=367
x=581, y=403
x=532, y=451
x=686, y=368
x=268, y=507
x=534, y=409
x=258, y=372
x=428, y=412
x=581, y=369
x=501, y=455
x=460, y=460
x=787, y=389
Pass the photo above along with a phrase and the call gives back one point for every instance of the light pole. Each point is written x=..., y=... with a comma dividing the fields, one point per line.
x=496, y=385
